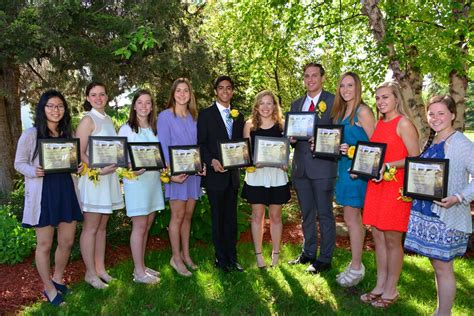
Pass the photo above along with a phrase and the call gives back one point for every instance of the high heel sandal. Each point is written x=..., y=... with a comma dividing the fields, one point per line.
x=275, y=261
x=264, y=265
x=186, y=273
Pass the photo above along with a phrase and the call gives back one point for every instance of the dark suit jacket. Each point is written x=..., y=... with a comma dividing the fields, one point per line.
x=303, y=161
x=210, y=130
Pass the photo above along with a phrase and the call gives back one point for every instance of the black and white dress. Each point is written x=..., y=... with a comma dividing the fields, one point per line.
x=267, y=185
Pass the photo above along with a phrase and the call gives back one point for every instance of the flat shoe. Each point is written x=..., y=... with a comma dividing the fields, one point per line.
x=61, y=288
x=106, y=278
x=152, y=272
x=369, y=297
x=96, y=283
x=182, y=273
x=57, y=301
x=146, y=279
x=384, y=302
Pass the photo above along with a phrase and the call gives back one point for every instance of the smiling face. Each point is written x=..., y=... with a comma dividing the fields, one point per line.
x=439, y=117
x=143, y=106
x=385, y=100
x=313, y=80
x=266, y=106
x=54, y=110
x=347, y=89
x=224, y=92
x=97, y=97
x=182, y=95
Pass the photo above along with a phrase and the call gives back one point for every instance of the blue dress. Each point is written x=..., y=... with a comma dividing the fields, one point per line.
x=427, y=235
x=350, y=192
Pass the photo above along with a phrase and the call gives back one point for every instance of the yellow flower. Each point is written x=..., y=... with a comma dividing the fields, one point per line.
x=126, y=173
x=403, y=197
x=165, y=176
x=84, y=171
x=322, y=106
x=351, y=151
x=389, y=174
x=234, y=113
x=93, y=175
x=250, y=169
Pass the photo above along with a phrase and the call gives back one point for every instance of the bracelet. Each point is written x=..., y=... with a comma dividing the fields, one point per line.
x=459, y=197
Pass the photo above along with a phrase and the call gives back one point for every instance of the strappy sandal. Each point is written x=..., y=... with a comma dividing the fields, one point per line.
x=384, y=302
x=275, y=257
x=146, y=279
x=370, y=297
x=152, y=272
x=351, y=277
x=264, y=265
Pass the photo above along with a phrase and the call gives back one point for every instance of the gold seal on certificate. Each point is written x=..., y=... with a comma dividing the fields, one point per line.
x=235, y=153
x=59, y=155
x=271, y=151
x=146, y=155
x=327, y=140
x=108, y=150
x=368, y=159
x=300, y=125
x=185, y=159
x=426, y=178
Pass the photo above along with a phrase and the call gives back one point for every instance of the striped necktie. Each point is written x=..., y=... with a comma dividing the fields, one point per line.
x=228, y=122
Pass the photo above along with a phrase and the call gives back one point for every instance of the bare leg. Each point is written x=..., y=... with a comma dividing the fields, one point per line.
x=185, y=231
x=149, y=223
x=178, y=209
x=44, y=241
x=100, y=241
x=445, y=285
x=137, y=245
x=66, y=234
x=381, y=260
x=87, y=241
x=276, y=229
x=393, y=243
x=258, y=218
x=353, y=221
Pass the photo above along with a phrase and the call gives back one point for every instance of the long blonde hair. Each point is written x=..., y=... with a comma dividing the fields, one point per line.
x=400, y=107
x=192, y=107
x=276, y=115
x=340, y=105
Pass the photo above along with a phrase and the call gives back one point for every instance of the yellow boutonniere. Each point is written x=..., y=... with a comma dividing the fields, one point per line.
x=234, y=113
x=403, y=197
x=322, y=107
x=165, y=176
x=250, y=169
x=127, y=174
x=351, y=151
x=389, y=174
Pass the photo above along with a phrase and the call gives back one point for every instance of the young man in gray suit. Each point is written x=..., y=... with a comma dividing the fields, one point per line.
x=314, y=178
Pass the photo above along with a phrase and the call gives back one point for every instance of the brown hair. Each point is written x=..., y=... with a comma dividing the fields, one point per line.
x=133, y=119
x=86, y=105
x=450, y=104
x=317, y=65
x=192, y=107
x=276, y=115
x=340, y=106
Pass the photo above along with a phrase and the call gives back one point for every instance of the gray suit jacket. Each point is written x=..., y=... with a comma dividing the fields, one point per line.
x=304, y=165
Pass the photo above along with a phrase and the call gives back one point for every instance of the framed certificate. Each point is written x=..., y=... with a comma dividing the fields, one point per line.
x=185, y=159
x=108, y=150
x=147, y=156
x=271, y=151
x=300, y=125
x=235, y=153
x=368, y=159
x=426, y=178
x=59, y=155
x=327, y=140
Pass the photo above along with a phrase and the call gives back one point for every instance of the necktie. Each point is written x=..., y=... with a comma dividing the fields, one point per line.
x=311, y=107
x=228, y=122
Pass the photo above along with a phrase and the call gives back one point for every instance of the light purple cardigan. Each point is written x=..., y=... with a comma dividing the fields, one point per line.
x=26, y=165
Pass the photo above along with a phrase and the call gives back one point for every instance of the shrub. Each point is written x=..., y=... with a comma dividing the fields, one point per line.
x=16, y=242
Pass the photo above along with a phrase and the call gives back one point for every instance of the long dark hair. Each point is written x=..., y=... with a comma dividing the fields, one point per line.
x=41, y=122
x=86, y=105
x=132, y=117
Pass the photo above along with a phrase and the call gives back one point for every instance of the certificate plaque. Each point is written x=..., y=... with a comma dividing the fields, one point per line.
x=185, y=159
x=327, y=140
x=235, y=153
x=368, y=159
x=59, y=155
x=426, y=178
x=300, y=125
x=146, y=155
x=271, y=151
x=108, y=150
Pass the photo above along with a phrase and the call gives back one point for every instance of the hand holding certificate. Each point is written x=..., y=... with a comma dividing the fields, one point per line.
x=426, y=178
x=108, y=150
x=59, y=155
x=271, y=151
x=368, y=159
x=235, y=153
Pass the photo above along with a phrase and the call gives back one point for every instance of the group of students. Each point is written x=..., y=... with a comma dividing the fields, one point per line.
x=54, y=200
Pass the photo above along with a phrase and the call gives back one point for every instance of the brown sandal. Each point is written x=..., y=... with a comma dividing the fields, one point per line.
x=384, y=302
x=370, y=297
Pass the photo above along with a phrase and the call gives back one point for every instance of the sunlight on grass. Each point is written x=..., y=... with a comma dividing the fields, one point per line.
x=286, y=290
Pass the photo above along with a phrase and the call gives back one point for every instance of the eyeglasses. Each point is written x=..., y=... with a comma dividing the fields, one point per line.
x=52, y=107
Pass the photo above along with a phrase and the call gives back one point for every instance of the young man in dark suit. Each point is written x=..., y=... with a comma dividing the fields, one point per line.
x=314, y=178
x=216, y=124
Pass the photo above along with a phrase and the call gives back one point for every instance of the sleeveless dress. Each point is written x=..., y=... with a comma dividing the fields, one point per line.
x=174, y=131
x=105, y=196
x=350, y=192
x=427, y=235
x=382, y=208
x=143, y=195
x=267, y=185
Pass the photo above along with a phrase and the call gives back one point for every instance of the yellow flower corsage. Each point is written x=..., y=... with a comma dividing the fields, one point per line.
x=93, y=174
x=250, y=169
x=403, y=197
x=390, y=173
x=234, y=113
x=351, y=152
x=127, y=174
x=165, y=176
x=322, y=107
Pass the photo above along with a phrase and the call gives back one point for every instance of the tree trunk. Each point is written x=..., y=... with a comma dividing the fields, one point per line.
x=10, y=123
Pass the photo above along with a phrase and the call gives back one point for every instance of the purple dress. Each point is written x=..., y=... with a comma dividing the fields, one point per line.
x=172, y=131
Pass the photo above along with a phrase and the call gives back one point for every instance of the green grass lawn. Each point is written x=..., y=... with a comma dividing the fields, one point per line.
x=286, y=290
